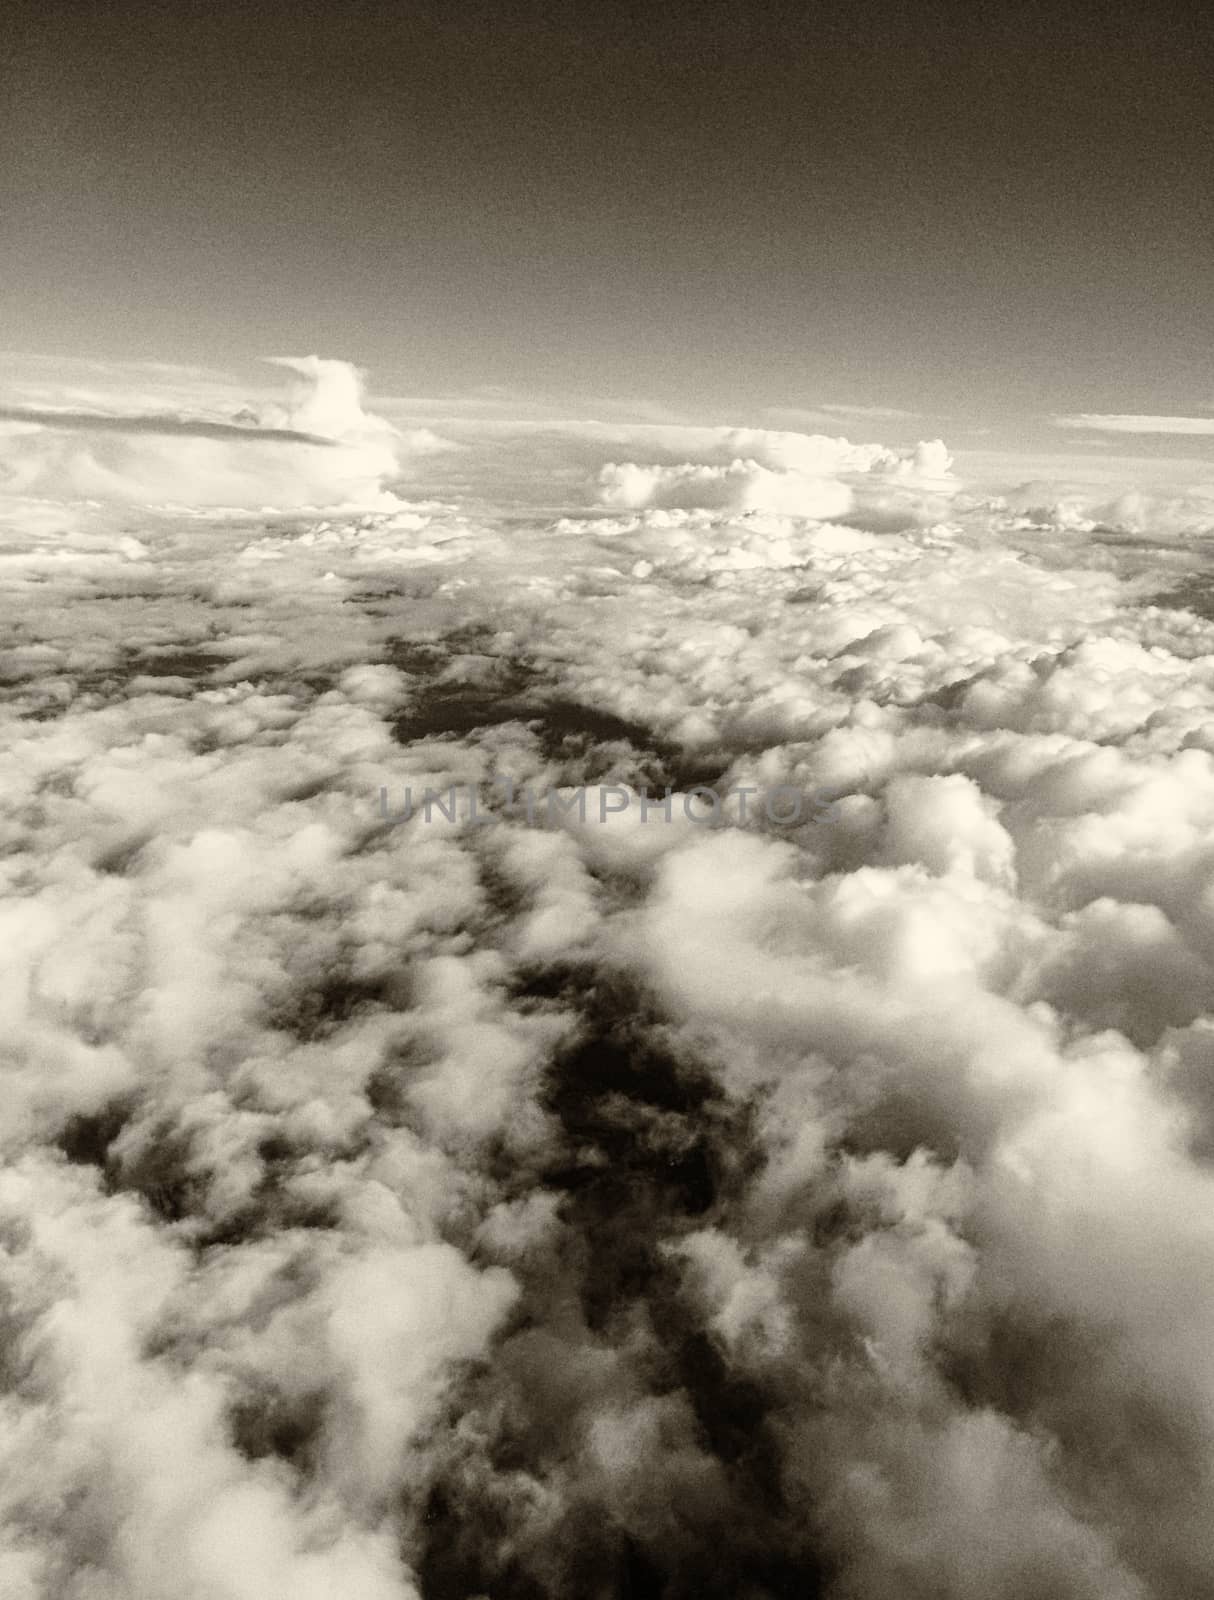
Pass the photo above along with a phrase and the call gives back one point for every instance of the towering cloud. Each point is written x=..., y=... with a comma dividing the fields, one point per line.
x=320, y=448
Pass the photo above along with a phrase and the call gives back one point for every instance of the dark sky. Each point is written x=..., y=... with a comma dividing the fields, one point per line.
x=946, y=207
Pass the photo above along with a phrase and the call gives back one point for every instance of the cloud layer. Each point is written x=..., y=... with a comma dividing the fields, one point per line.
x=449, y=1208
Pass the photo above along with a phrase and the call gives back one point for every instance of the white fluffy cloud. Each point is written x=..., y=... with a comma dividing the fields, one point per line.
x=740, y=486
x=792, y=474
x=341, y=456
x=501, y=1204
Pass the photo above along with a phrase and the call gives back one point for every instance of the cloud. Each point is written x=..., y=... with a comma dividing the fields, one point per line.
x=318, y=448
x=326, y=398
x=1159, y=511
x=827, y=410
x=800, y=475
x=1099, y=423
x=489, y=1205
x=739, y=487
x=170, y=427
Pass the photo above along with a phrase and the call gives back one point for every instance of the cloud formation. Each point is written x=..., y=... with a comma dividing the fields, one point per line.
x=1098, y=423
x=794, y=474
x=452, y=1207
x=318, y=448
x=172, y=427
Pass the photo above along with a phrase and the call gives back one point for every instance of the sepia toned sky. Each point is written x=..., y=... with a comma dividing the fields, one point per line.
x=548, y=1201
x=987, y=217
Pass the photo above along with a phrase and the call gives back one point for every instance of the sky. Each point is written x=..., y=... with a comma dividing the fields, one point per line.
x=980, y=216
x=682, y=1200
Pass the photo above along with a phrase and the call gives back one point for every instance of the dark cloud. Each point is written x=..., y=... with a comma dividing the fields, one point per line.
x=169, y=427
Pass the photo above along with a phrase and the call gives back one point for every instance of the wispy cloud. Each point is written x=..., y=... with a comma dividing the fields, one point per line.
x=1117, y=423
x=188, y=427
x=35, y=361
x=831, y=412
x=866, y=411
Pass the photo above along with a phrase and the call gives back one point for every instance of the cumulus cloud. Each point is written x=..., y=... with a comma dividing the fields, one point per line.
x=1159, y=510
x=471, y=1199
x=318, y=448
x=799, y=475
x=327, y=398
x=740, y=486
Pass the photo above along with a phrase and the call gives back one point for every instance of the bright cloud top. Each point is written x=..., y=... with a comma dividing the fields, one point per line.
x=347, y=458
x=795, y=474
